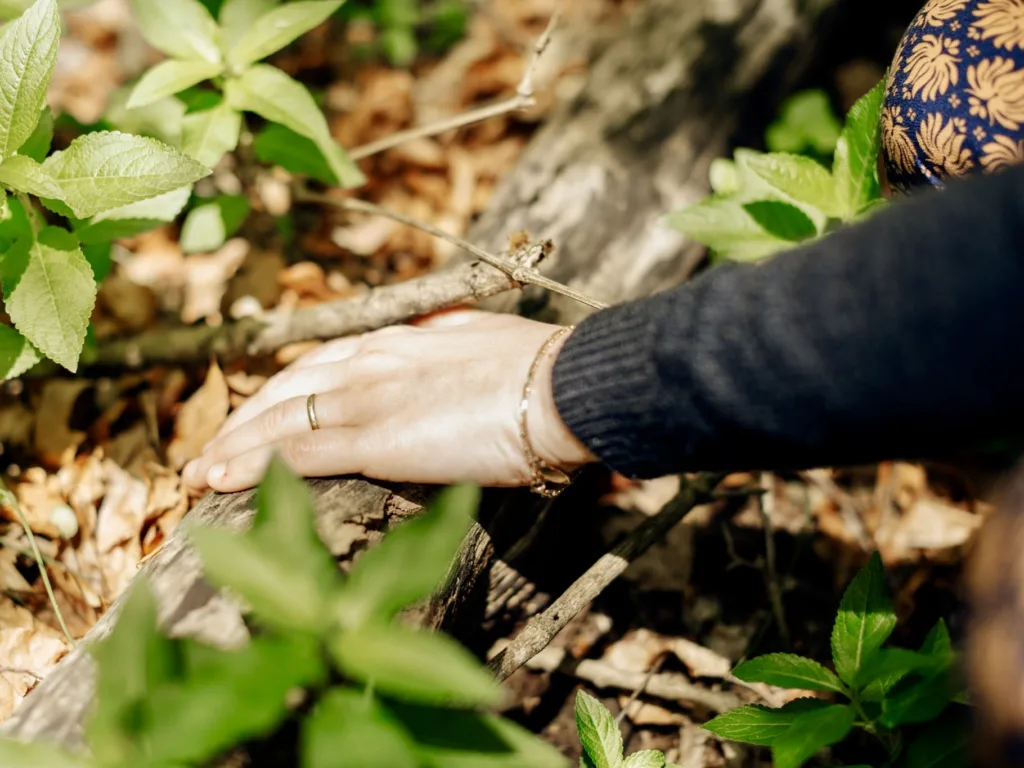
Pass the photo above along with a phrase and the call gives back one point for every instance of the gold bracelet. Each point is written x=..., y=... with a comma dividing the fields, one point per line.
x=547, y=481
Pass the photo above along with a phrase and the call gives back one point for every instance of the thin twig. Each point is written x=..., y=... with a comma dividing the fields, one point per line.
x=517, y=271
x=767, y=507
x=655, y=668
x=523, y=99
x=541, y=629
x=8, y=498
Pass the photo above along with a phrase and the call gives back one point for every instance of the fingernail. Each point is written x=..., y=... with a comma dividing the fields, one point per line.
x=217, y=472
x=191, y=471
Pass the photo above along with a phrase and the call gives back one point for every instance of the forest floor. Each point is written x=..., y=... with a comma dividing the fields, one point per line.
x=94, y=461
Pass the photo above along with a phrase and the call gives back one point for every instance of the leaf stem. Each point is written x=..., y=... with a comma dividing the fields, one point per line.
x=7, y=497
x=30, y=211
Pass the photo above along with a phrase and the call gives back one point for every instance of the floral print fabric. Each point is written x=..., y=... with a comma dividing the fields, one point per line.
x=955, y=99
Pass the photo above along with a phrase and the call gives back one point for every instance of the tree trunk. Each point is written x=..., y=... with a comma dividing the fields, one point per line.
x=658, y=105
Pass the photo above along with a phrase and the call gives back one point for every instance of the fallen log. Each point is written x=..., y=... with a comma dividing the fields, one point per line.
x=658, y=105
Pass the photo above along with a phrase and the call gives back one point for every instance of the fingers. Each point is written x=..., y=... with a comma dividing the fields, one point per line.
x=324, y=453
x=293, y=382
x=450, y=318
x=280, y=421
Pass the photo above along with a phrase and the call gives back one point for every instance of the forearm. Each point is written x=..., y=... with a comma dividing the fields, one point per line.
x=896, y=338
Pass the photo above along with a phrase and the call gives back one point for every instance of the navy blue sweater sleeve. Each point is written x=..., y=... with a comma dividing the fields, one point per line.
x=901, y=337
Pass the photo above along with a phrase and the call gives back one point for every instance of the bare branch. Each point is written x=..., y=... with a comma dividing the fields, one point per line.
x=524, y=99
x=541, y=630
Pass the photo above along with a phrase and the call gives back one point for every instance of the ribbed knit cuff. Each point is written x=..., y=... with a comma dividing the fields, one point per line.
x=607, y=388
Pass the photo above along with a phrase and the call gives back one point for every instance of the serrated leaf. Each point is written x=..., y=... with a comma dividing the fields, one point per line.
x=458, y=739
x=756, y=724
x=208, y=226
x=782, y=220
x=259, y=676
x=380, y=585
x=16, y=354
x=100, y=258
x=37, y=755
x=183, y=29
x=598, y=732
x=236, y=16
x=865, y=620
x=348, y=729
x=806, y=122
x=810, y=732
x=169, y=77
x=416, y=666
x=282, y=146
x=917, y=699
x=210, y=134
x=896, y=662
x=14, y=227
x=798, y=178
x=938, y=645
x=37, y=145
x=273, y=95
x=28, y=54
x=724, y=226
x=49, y=294
x=106, y=170
x=648, y=758
x=277, y=28
x=23, y=174
x=134, y=219
x=788, y=671
x=855, y=168
x=160, y=120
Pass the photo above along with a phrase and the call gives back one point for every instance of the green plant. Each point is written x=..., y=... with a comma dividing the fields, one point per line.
x=400, y=23
x=806, y=126
x=328, y=653
x=883, y=690
x=49, y=274
x=602, y=742
x=764, y=203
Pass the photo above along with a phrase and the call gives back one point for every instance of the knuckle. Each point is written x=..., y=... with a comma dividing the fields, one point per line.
x=299, y=449
x=273, y=421
x=374, y=362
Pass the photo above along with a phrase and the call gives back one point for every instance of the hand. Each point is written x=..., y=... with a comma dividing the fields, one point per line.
x=433, y=403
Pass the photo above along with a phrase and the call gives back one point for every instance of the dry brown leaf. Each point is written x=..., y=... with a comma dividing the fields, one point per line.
x=934, y=524
x=123, y=511
x=133, y=306
x=28, y=650
x=16, y=423
x=55, y=442
x=206, y=280
x=645, y=713
x=10, y=577
x=38, y=494
x=199, y=418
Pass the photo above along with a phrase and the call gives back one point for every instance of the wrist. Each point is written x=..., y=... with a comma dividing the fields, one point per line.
x=552, y=440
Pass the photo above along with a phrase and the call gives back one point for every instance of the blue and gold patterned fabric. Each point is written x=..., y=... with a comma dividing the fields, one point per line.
x=955, y=99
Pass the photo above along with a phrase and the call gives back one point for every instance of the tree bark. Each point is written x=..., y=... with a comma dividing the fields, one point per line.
x=659, y=104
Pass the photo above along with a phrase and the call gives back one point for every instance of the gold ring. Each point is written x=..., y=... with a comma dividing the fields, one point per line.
x=311, y=412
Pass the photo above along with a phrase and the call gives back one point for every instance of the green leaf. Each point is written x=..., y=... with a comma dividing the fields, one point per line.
x=806, y=122
x=274, y=96
x=107, y=170
x=237, y=16
x=755, y=724
x=100, y=258
x=799, y=179
x=415, y=666
x=37, y=146
x=788, y=671
x=855, y=168
x=28, y=53
x=37, y=755
x=348, y=729
x=723, y=176
x=810, y=732
x=50, y=294
x=183, y=29
x=23, y=174
x=648, y=758
x=917, y=700
x=888, y=666
x=248, y=689
x=782, y=220
x=865, y=620
x=133, y=219
x=283, y=593
x=14, y=227
x=169, y=77
x=132, y=661
x=160, y=120
x=380, y=584
x=938, y=644
x=277, y=28
x=730, y=231
x=282, y=146
x=459, y=739
x=210, y=134
x=598, y=732
x=16, y=354
x=208, y=226
x=941, y=745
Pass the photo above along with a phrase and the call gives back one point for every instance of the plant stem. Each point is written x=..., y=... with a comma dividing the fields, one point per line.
x=30, y=211
x=7, y=497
